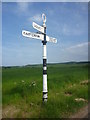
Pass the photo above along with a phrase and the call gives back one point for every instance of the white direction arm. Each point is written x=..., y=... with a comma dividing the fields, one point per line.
x=38, y=27
x=50, y=39
x=32, y=35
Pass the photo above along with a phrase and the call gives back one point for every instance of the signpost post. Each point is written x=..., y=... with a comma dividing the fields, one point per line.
x=44, y=61
x=44, y=38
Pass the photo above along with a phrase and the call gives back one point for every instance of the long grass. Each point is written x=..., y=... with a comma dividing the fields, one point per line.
x=22, y=88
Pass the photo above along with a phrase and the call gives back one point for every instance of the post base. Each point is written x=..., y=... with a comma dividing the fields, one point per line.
x=44, y=99
x=45, y=96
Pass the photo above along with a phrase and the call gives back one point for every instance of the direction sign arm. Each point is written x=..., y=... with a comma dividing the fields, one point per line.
x=32, y=35
x=38, y=27
x=50, y=39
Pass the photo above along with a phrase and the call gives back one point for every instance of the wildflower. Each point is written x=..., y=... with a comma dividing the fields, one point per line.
x=33, y=83
x=22, y=81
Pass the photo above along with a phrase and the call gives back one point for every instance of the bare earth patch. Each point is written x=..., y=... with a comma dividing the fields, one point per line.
x=9, y=111
x=85, y=82
x=82, y=113
x=68, y=93
x=80, y=99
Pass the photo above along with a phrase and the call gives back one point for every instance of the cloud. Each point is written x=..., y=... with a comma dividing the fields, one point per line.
x=22, y=6
x=72, y=30
x=66, y=30
x=37, y=18
x=21, y=54
x=77, y=52
x=79, y=46
x=82, y=45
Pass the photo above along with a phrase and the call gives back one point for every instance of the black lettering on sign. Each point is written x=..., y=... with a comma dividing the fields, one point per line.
x=52, y=39
x=31, y=34
x=37, y=27
x=27, y=33
x=35, y=35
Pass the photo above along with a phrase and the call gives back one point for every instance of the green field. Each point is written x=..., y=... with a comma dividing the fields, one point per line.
x=22, y=90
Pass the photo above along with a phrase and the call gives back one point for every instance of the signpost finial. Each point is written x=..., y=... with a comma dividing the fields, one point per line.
x=44, y=19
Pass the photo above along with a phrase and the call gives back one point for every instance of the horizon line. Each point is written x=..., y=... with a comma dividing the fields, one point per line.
x=42, y=63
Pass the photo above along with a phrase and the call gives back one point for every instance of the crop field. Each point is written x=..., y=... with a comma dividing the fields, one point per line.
x=22, y=90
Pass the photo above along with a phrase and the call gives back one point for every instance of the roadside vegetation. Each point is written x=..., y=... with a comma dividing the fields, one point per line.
x=22, y=90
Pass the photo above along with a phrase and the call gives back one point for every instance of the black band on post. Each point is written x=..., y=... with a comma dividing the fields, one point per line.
x=44, y=63
x=44, y=42
x=45, y=92
x=44, y=72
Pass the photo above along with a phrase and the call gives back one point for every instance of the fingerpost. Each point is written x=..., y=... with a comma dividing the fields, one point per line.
x=41, y=35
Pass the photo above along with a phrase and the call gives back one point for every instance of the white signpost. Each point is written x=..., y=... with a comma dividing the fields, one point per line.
x=41, y=36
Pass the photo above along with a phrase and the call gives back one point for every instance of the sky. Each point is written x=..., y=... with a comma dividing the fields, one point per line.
x=67, y=22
